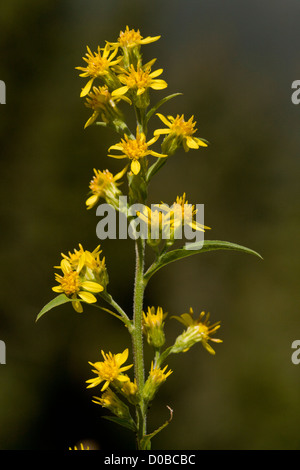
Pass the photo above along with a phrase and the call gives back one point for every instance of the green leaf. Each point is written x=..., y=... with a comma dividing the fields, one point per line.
x=58, y=300
x=122, y=422
x=159, y=104
x=194, y=249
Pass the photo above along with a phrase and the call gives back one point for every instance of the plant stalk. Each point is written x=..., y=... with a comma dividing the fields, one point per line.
x=137, y=335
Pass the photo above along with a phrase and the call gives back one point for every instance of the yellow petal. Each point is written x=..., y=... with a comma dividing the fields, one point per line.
x=92, y=119
x=120, y=91
x=200, y=142
x=87, y=88
x=135, y=167
x=161, y=131
x=65, y=266
x=158, y=84
x=140, y=91
x=149, y=39
x=92, y=286
x=115, y=147
x=153, y=140
x=87, y=297
x=156, y=154
x=77, y=306
x=91, y=201
x=57, y=289
x=163, y=119
x=191, y=143
x=81, y=262
x=156, y=73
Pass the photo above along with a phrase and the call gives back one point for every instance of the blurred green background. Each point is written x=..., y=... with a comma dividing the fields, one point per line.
x=234, y=62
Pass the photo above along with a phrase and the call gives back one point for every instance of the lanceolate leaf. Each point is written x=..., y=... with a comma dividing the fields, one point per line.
x=58, y=300
x=122, y=422
x=159, y=104
x=194, y=249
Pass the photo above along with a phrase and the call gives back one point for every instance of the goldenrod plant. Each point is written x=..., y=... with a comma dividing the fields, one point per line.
x=115, y=75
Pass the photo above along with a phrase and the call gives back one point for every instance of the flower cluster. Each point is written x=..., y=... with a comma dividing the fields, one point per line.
x=115, y=77
x=119, y=69
x=83, y=276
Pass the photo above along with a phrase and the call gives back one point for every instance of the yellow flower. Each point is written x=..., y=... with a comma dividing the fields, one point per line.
x=112, y=402
x=98, y=65
x=197, y=330
x=156, y=377
x=103, y=185
x=101, y=101
x=74, y=258
x=183, y=213
x=110, y=369
x=92, y=268
x=135, y=149
x=131, y=38
x=164, y=222
x=130, y=391
x=81, y=447
x=159, y=375
x=153, y=326
x=140, y=80
x=73, y=285
x=182, y=131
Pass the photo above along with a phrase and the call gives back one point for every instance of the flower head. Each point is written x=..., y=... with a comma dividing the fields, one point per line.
x=110, y=370
x=156, y=377
x=138, y=81
x=100, y=100
x=74, y=284
x=104, y=185
x=197, y=330
x=165, y=222
x=131, y=38
x=130, y=391
x=113, y=403
x=98, y=66
x=179, y=132
x=135, y=150
x=184, y=213
x=153, y=326
x=92, y=268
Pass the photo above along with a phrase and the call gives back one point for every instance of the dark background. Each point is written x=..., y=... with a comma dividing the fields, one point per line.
x=234, y=62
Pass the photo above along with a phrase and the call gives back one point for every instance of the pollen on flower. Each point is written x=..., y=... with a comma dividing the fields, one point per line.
x=70, y=282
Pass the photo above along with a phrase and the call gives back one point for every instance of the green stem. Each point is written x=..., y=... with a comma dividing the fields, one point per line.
x=137, y=334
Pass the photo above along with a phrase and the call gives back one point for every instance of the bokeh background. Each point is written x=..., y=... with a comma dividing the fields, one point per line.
x=234, y=62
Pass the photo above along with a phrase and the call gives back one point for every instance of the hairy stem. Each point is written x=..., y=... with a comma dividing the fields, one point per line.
x=137, y=334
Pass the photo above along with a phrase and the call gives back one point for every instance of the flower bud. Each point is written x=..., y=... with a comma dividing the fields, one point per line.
x=153, y=327
x=156, y=377
x=113, y=403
